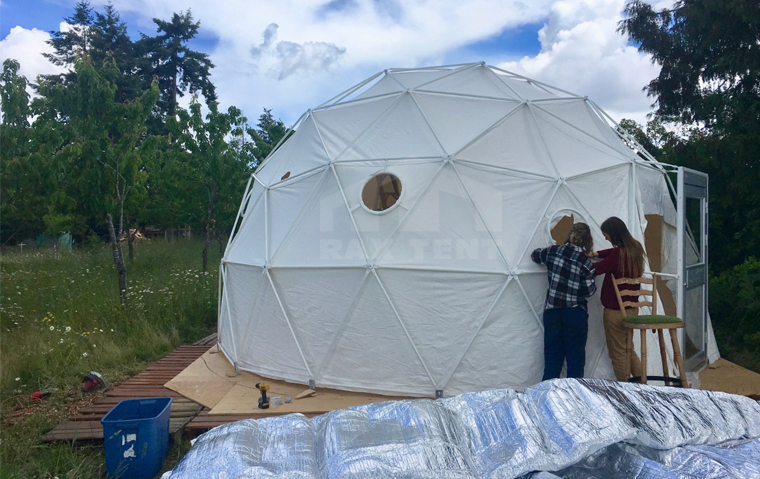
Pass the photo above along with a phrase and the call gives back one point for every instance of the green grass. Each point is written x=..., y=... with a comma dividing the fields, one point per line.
x=61, y=319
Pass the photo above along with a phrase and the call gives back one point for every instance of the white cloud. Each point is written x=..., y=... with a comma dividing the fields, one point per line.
x=581, y=51
x=287, y=58
x=27, y=47
x=322, y=47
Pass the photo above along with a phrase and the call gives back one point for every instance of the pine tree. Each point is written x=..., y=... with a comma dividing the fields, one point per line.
x=70, y=43
x=266, y=136
x=177, y=67
x=110, y=40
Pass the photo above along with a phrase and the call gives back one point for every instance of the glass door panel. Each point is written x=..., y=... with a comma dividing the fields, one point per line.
x=692, y=297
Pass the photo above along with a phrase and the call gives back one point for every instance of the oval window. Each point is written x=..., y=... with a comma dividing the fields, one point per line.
x=381, y=192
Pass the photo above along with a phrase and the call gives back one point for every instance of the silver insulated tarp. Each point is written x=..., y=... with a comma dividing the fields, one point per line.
x=564, y=428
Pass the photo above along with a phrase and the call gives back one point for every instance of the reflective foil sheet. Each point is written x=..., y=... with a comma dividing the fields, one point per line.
x=564, y=428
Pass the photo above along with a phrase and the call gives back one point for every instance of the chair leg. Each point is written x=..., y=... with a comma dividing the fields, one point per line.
x=677, y=356
x=628, y=349
x=643, y=356
x=663, y=357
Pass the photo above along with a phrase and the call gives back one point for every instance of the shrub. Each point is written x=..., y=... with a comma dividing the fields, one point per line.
x=735, y=313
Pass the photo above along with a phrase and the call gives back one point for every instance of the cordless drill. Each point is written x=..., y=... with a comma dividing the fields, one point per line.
x=263, y=400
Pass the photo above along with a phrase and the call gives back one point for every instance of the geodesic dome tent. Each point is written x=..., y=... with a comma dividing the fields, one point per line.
x=385, y=246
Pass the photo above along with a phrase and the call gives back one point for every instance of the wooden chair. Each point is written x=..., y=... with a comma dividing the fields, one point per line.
x=655, y=322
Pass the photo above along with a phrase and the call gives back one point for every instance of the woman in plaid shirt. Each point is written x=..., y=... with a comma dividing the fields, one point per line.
x=571, y=282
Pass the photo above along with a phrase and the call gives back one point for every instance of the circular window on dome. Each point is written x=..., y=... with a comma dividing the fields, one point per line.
x=561, y=222
x=381, y=192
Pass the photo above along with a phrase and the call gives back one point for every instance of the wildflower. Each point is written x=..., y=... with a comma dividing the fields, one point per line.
x=112, y=330
x=18, y=379
x=68, y=328
x=52, y=328
x=84, y=355
x=94, y=345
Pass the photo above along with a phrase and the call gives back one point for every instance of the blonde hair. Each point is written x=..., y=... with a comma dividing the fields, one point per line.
x=580, y=235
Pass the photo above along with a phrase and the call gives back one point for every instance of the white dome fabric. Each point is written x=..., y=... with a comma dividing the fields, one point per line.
x=437, y=293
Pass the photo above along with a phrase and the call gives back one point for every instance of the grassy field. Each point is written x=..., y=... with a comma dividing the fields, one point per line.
x=61, y=319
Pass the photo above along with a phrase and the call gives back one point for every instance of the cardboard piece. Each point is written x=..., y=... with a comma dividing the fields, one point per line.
x=210, y=381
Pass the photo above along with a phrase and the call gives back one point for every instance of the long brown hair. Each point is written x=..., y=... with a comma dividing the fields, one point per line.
x=631, y=252
x=580, y=235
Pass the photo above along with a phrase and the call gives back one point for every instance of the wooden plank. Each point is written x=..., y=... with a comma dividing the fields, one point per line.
x=209, y=340
x=73, y=430
x=104, y=408
x=85, y=425
x=98, y=417
x=144, y=393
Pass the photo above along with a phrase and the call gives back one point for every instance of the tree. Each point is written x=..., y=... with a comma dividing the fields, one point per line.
x=25, y=180
x=710, y=83
x=103, y=146
x=177, y=67
x=266, y=136
x=214, y=172
x=110, y=40
x=102, y=37
x=71, y=43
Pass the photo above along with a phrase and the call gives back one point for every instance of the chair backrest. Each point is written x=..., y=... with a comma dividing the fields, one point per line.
x=652, y=293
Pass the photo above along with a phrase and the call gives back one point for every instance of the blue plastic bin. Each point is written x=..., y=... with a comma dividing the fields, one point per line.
x=136, y=437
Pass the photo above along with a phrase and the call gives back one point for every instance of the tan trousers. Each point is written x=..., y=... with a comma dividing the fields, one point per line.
x=616, y=334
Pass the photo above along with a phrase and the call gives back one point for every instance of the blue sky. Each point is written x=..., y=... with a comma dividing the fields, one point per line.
x=47, y=15
x=319, y=48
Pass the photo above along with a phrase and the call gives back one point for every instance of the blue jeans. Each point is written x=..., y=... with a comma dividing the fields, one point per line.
x=565, y=332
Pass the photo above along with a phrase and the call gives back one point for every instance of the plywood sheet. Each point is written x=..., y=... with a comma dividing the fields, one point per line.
x=204, y=380
x=244, y=400
x=211, y=381
x=728, y=377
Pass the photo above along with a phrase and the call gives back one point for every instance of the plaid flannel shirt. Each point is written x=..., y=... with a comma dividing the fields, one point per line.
x=571, y=275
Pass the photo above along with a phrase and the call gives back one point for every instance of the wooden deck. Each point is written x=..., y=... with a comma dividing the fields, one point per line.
x=85, y=425
x=189, y=416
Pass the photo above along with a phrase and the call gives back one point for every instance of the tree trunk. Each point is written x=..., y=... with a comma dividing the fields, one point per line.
x=131, y=242
x=118, y=259
x=173, y=105
x=206, y=239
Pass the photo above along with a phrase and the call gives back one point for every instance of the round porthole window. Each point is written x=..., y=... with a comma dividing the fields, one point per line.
x=381, y=192
x=560, y=223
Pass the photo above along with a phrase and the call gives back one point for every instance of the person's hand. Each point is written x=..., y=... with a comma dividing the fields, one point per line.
x=593, y=254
